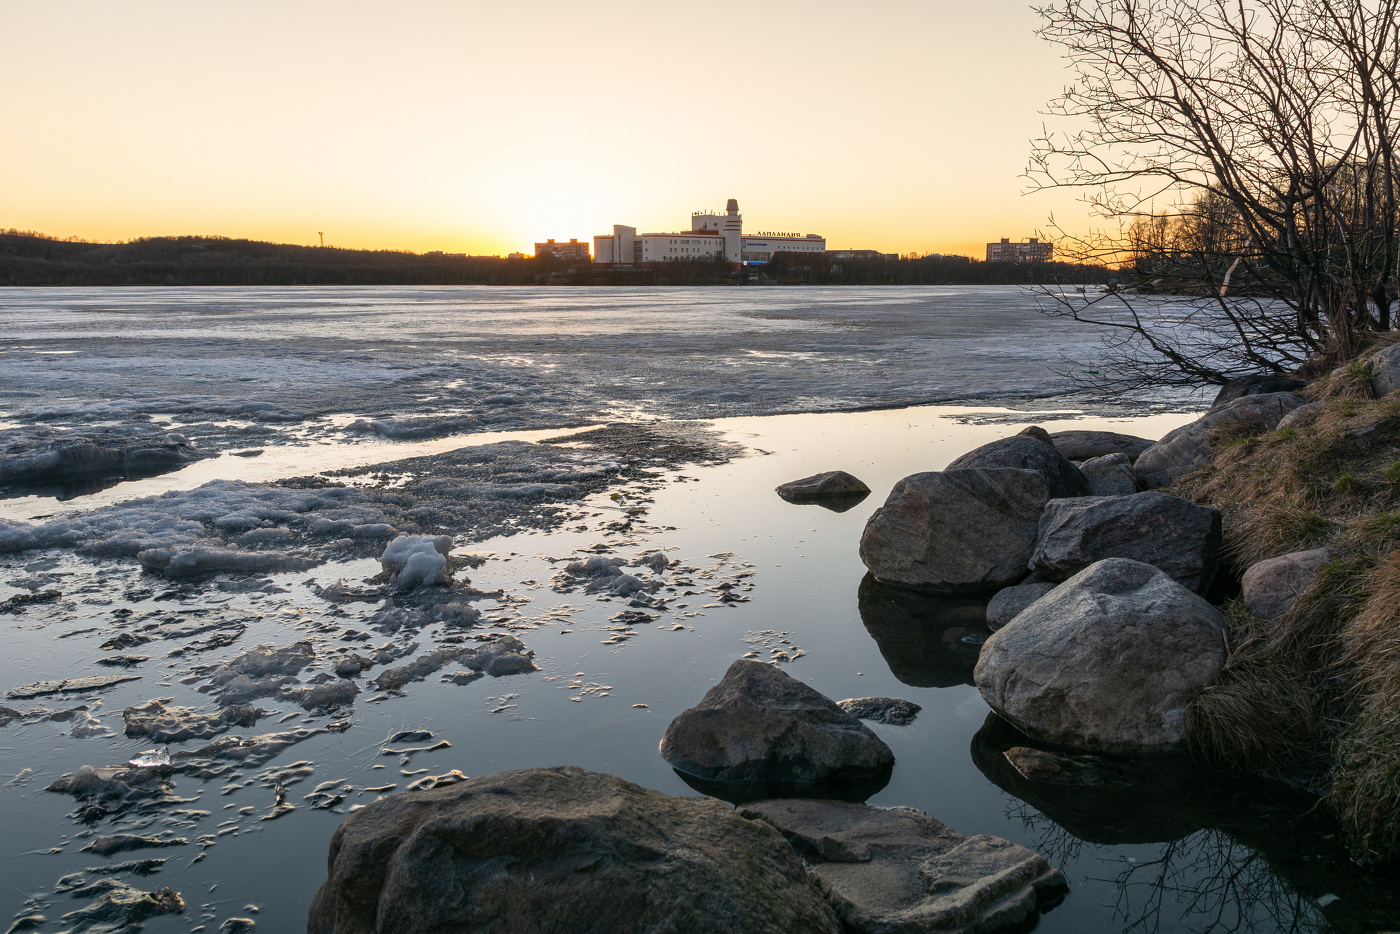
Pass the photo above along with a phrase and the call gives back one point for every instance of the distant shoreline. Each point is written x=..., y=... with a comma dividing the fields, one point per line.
x=29, y=259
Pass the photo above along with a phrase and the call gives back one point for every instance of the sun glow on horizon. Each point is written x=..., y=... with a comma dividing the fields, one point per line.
x=482, y=128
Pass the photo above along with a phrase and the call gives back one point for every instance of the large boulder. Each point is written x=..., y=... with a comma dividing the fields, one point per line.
x=1173, y=534
x=899, y=870
x=1110, y=475
x=958, y=531
x=1188, y=448
x=560, y=849
x=1385, y=371
x=1024, y=452
x=1106, y=662
x=822, y=486
x=762, y=726
x=1081, y=445
x=1271, y=585
x=1256, y=384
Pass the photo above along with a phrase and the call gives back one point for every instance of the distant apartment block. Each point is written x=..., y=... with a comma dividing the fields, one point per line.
x=711, y=236
x=1032, y=251
x=859, y=254
x=574, y=249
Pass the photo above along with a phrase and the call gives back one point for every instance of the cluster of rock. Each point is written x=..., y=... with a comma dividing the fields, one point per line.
x=569, y=849
x=1101, y=632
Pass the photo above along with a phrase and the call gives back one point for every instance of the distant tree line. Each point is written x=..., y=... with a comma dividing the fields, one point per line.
x=30, y=259
x=811, y=269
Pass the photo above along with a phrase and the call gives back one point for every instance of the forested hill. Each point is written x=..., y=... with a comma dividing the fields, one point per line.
x=33, y=259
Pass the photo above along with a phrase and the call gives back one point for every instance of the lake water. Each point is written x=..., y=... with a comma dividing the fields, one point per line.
x=1180, y=851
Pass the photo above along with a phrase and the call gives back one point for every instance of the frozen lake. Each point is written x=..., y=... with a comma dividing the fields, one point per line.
x=329, y=383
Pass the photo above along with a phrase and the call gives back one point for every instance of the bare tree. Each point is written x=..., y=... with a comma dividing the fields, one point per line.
x=1244, y=154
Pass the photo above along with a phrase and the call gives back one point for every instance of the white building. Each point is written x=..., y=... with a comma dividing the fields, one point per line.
x=710, y=236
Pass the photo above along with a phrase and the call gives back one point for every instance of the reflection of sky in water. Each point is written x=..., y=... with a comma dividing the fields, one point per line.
x=1257, y=859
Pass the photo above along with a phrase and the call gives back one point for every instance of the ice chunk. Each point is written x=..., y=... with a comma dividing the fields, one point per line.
x=413, y=561
x=151, y=759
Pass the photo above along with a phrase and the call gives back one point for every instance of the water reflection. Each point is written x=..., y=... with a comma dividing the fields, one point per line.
x=833, y=503
x=744, y=792
x=928, y=640
x=1237, y=852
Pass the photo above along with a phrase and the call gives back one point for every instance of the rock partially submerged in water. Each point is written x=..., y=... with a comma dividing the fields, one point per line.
x=1106, y=662
x=957, y=531
x=1024, y=452
x=889, y=710
x=562, y=849
x=899, y=870
x=832, y=483
x=760, y=725
x=1178, y=536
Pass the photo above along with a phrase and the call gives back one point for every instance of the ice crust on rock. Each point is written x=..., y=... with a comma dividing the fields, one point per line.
x=414, y=561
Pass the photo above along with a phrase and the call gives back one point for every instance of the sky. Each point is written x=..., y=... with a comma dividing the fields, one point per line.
x=481, y=127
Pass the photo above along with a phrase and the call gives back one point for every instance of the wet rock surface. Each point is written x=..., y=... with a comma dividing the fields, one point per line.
x=1270, y=586
x=957, y=531
x=1023, y=452
x=758, y=724
x=832, y=483
x=889, y=710
x=562, y=849
x=1107, y=662
x=1180, y=537
x=899, y=869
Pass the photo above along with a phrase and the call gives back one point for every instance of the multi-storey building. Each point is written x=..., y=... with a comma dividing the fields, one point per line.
x=711, y=236
x=574, y=249
x=1032, y=251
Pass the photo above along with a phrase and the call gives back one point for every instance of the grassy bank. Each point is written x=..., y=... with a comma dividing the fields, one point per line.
x=1314, y=695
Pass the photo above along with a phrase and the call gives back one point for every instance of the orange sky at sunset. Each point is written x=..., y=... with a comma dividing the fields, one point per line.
x=481, y=127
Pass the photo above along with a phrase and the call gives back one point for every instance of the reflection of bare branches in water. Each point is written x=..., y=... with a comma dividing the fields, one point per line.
x=1212, y=884
x=1057, y=845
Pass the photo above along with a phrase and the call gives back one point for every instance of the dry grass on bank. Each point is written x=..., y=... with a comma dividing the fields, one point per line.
x=1316, y=692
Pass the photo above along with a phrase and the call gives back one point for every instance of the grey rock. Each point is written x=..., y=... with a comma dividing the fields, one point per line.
x=1271, y=586
x=1110, y=475
x=1107, y=662
x=1302, y=416
x=830, y=483
x=1081, y=445
x=1021, y=452
x=889, y=710
x=958, y=531
x=761, y=725
x=899, y=870
x=164, y=724
x=1255, y=385
x=1187, y=448
x=1009, y=602
x=562, y=849
x=1176, y=535
x=1385, y=371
